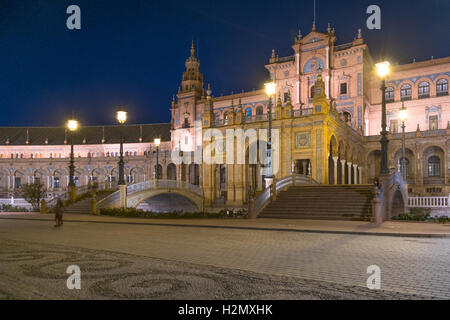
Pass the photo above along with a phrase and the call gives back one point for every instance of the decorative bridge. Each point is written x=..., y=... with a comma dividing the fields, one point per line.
x=139, y=192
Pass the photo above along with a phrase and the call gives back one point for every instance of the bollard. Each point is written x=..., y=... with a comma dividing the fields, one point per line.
x=43, y=206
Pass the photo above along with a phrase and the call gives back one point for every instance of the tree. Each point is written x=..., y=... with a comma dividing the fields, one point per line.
x=33, y=193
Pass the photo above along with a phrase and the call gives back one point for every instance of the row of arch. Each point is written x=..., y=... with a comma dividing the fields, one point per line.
x=423, y=89
x=59, y=178
x=249, y=111
x=344, y=163
x=431, y=165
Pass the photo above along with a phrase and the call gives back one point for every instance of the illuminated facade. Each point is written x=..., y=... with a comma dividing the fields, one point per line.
x=326, y=111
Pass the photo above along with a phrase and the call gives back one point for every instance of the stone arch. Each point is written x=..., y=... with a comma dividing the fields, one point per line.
x=137, y=175
x=98, y=176
x=80, y=177
x=171, y=172
x=19, y=178
x=135, y=199
x=373, y=165
x=332, y=153
x=4, y=178
x=434, y=171
x=411, y=162
x=40, y=175
x=194, y=174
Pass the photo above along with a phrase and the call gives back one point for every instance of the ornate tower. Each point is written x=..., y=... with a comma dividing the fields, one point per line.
x=192, y=78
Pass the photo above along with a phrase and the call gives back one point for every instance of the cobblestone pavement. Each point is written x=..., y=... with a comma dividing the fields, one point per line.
x=158, y=262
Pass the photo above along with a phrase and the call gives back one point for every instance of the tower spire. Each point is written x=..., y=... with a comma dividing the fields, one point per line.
x=192, y=48
x=314, y=19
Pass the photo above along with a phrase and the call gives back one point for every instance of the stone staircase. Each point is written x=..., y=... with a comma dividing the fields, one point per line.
x=84, y=206
x=327, y=202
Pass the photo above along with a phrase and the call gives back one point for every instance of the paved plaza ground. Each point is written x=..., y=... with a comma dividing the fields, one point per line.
x=122, y=259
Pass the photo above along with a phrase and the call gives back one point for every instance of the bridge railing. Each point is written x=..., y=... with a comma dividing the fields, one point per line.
x=66, y=195
x=151, y=184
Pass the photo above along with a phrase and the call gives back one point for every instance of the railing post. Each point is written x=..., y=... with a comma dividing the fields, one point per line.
x=123, y=195
x=251, y=208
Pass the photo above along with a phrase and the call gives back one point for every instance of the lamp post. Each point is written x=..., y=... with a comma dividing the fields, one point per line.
x=72, y=125
x=383, y=71
x=157, y=142
x=121, y=118
x=403, y=117
x=270, y=88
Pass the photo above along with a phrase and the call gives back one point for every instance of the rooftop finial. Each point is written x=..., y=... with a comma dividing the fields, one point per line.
x=192, y=48
x=329, y=28
x=359, y=33
x=314, y=20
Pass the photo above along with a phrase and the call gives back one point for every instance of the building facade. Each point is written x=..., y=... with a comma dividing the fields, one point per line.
x=326, y=119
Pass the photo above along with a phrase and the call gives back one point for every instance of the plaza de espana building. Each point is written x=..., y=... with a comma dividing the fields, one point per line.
x=326, y=111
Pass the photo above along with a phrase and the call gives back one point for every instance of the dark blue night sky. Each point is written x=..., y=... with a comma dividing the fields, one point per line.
x=131, y=52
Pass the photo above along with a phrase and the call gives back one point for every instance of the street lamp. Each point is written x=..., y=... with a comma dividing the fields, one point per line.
x=72, y=125
x=270, y=88
x=157, y=142
x=121, y=118
x=403, y=117
x=383, y=69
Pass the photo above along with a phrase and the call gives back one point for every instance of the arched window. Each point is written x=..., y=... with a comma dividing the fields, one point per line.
x=434, y=166
x=217, y=115
x=389, y=94
x=347, y=116
x=404, y=166
x=311, y=92
x=248, y=112
x=424, y=90
x=442, y=87
x=405, y=92
x=259, y=111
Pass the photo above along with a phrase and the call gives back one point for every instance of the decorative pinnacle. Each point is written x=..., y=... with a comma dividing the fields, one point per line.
x=192, y=48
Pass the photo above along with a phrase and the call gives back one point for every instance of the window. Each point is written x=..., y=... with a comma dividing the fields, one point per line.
x=17, y=182
x=405, y=92
x=404, y=166
x=433, y=123
x=424, y=90
x=217, y=115
x=434, y=166
x=389, y=94
x=343, y=88
x=55, y=182
x=248, y=112
x=311, y=92
x=393, y=126
x=442, y=87
x=286, y=97
x=259, y=111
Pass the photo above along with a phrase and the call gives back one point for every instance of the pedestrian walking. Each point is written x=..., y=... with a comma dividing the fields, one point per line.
x=59, y=213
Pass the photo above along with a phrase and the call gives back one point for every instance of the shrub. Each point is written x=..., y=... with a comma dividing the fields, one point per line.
x=10, y=208
x=135, y=213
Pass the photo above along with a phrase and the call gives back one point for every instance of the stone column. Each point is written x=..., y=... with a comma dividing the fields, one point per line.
x=342, y=171
x=349, y=164
x=360, y=174
x=335, y=160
